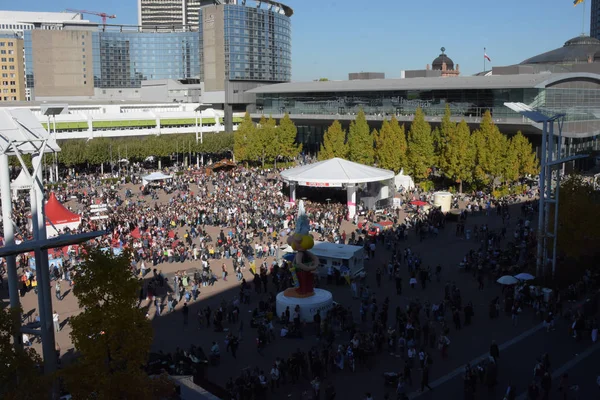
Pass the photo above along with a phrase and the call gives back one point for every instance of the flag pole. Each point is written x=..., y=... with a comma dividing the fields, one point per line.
x=484, y=61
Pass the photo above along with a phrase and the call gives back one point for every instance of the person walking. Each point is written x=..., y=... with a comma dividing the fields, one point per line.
x=494, y=351
x=57, y=291
x=425, y=378
x=56, y=320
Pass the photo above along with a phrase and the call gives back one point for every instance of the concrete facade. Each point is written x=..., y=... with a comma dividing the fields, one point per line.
x=63, y=62
x=168, y=14
x=213, y=36
x=12, y=68
x=365, y=75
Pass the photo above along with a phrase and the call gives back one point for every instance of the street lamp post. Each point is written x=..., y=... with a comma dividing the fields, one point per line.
x=550, y=157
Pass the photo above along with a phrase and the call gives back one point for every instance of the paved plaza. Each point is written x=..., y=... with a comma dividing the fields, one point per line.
x=519, y=345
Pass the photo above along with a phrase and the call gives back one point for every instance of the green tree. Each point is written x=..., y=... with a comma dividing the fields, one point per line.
x=390, y=146
x=458, y=154
x=242, y=138
x=97, y=151
x=491, y=150
x=360, y=141
x=334, y=143
x=72, y=152
x=262, y=146
x=420, y=153
x=285, y=139
x=578, y=233
x=528, y=163
x=20, y=377
x=442, y=135
x=112, y=334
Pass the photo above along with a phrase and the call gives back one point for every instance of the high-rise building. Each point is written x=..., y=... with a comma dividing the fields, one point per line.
x=12, y=69
x=595, y=19
x=168, y=14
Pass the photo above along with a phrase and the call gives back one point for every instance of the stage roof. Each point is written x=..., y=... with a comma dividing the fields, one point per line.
x=335, y=172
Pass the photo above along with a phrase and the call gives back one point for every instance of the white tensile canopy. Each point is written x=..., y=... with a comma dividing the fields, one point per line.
x=155, y=176
x=404, y=181
x=20, y=183
x=335, y=172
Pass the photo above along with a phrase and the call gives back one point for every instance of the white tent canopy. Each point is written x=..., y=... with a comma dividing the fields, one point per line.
x=20, y=183
x=404, y=181
x=155, y=176
x=335, y=172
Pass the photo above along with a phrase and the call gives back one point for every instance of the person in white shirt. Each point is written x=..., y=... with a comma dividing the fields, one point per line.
x=262, y=379
x=274, y=377
x=284, y=331
x=56, y=321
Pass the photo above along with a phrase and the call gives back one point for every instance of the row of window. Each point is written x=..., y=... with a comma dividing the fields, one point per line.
x=9, y=98
x=10, y=59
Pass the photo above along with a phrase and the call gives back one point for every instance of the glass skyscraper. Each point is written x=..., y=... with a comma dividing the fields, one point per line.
x=125, y=59
x=257, y=44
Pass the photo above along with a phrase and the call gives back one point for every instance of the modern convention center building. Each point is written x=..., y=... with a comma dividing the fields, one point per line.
x=565, y=80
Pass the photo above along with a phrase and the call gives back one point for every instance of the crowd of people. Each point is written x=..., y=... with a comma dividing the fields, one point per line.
x=167, y=224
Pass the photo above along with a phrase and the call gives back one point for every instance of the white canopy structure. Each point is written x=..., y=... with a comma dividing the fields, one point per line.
x=335, y=172
x=155, y=176
x=404, y=181
x=22, y=182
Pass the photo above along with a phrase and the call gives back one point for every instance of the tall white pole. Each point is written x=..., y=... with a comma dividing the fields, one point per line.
x=9, y=239
x=542, y=204
x=42, y=269
x=201, y=133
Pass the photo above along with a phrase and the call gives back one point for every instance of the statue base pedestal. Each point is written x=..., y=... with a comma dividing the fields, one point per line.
x=321, y=301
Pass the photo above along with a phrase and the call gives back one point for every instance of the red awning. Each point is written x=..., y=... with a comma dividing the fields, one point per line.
x=57, y=214
x=418, y=203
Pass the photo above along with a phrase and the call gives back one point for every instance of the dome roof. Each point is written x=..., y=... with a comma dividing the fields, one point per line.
x=576, y=50
x=442, y=58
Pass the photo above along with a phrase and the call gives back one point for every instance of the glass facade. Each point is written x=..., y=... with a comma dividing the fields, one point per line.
x=28, y=51
x=125, y=59
x=258, y=44
x=579, y=104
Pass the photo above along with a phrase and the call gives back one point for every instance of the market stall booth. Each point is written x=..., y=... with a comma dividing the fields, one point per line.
x=339, y=173
x=155, y=177
x=21, y=183
x=58, y=217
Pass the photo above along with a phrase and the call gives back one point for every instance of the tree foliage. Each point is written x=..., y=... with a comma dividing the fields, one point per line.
x=285, y=139
x=99, y=150
x=491, y=149
x=483, y=156
x=578, y=216
x=334, y=143
x=457, y=157
x=390, y=146
x=528, y=163
x=360, y=141
x=20, y=377
x=266, y=141
x=421, y=155
x=111, y=334
x=242, y=137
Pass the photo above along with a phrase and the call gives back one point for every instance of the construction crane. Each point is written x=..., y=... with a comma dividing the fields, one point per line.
x=100, y=14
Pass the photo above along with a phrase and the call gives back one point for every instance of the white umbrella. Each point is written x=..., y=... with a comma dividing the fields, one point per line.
x=507, y=280
x=524, y=276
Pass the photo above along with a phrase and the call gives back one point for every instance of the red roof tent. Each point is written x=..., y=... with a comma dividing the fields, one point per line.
x=58, y=214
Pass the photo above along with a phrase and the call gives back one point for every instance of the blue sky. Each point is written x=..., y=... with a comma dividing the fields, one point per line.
x=331, y=38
